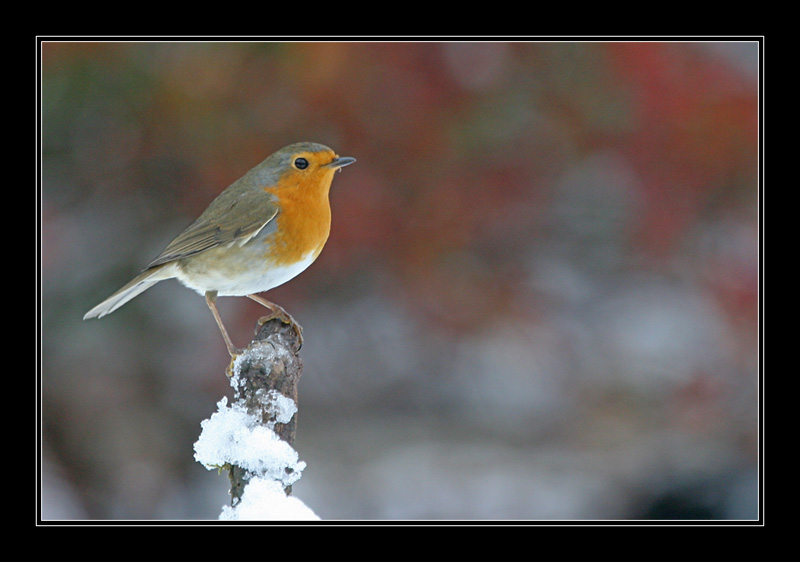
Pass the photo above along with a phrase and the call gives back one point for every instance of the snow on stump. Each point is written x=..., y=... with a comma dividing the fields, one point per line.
x=253, y=438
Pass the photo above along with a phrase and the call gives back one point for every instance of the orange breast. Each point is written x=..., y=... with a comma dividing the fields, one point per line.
x=303, y=222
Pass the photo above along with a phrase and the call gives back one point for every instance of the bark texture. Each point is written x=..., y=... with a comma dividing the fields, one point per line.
x=269, y=366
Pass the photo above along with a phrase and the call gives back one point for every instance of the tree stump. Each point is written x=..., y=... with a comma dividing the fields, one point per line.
x=263, y=376
x=254, y=437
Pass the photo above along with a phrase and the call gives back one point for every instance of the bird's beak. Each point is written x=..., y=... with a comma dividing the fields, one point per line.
x=340, y=162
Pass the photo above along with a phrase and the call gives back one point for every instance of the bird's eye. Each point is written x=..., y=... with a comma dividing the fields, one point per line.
x=301, y=163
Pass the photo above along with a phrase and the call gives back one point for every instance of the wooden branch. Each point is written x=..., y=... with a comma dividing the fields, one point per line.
x=264, y=376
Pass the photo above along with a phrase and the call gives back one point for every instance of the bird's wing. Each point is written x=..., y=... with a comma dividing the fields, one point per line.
x=227, y=220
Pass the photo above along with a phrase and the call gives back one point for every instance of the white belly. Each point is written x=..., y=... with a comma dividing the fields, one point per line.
x=246, y=281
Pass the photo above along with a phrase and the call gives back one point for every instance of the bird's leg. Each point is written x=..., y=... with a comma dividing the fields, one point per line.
x=211, y=301
x=280, y=313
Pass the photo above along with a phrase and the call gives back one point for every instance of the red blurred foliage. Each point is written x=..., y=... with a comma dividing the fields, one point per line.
x=451, y=167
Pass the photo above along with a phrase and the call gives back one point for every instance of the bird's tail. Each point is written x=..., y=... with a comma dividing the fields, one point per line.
x=138, y=285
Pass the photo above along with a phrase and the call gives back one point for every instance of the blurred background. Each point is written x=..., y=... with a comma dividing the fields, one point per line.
x=539, y=299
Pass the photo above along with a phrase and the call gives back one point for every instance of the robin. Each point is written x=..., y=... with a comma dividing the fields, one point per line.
x=262, y=231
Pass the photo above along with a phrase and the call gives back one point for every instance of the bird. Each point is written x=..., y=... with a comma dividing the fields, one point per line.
x=260, y=232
